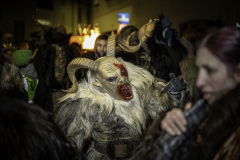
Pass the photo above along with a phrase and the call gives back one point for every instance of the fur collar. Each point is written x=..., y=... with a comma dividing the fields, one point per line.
x=133, y=111
x=10, y=77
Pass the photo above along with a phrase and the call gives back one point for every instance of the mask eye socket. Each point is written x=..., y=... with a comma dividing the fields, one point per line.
x=112, y=79
x=123, y=71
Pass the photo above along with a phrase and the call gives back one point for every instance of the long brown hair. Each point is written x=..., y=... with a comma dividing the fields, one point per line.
x=225, y=45
x=224, y=116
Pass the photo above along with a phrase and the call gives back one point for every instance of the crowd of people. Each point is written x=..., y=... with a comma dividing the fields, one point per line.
x=122, y=99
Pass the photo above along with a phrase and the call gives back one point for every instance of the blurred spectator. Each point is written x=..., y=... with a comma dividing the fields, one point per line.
x=50, y=62
x=28, y=133
x=8, y=52
x=7, y=47
x=100, y=48
x=22, y=59
x=23, y=45
x=11, y=83
x=7, y=40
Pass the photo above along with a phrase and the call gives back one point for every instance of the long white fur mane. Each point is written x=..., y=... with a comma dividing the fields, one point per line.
x=133, y=111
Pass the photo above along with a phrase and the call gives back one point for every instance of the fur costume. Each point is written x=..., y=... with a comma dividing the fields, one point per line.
x=217, y=137
x=162, y=53
x=113, y=122
x=51, y=63
x=11, y=83
x=166, y=51
x=28, y=132
x=189, y=72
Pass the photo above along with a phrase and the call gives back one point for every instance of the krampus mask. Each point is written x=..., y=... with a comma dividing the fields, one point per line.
x=111, y=75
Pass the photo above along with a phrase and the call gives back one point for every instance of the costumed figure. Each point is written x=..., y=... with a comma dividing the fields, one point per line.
x=11, y=83
x=7, y=48
x=161, y=50
x=6, y=41
x=113, y=107
x=126, y=31
x=51, y=62
x=164, y=53
x=129, y=37
x=164, y=48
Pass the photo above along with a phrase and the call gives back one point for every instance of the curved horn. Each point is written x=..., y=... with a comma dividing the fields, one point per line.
x=115, y=39
x=128, y=38
x=111, y=44
x=76, y=64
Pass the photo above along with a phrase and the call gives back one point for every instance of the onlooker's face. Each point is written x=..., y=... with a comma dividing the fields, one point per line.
x=101, y=46
x=26, y=46
x=213, y=76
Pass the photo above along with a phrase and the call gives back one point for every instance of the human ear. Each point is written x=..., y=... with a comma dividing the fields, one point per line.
x=237, y=74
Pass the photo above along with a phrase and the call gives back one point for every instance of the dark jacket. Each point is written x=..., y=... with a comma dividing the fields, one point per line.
x=217, y=137
x=44, y=63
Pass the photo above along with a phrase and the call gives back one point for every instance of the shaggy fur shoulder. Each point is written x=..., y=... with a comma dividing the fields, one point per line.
x=77, y=112
x=11, y=82
x=189, y=72
x=44, y=63
x=10, y=77
x=165, y=59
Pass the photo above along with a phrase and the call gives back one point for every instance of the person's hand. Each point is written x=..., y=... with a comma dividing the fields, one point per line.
x=175, y=122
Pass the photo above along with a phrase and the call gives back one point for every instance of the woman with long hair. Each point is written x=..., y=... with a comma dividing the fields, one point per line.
x=218, y=136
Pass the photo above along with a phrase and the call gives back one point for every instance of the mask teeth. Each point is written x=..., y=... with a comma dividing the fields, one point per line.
x=174, y=93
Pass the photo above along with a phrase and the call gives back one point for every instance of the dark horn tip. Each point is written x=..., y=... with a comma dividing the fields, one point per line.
x=172, y=75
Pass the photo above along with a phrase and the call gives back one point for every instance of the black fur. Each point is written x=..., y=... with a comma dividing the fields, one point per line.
x=44, y=63
x=165, y=59
x=16, y=90
x=29, y=133
x=222, y=121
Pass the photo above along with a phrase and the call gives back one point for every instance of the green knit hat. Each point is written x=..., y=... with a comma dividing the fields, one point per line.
x=22, y=57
